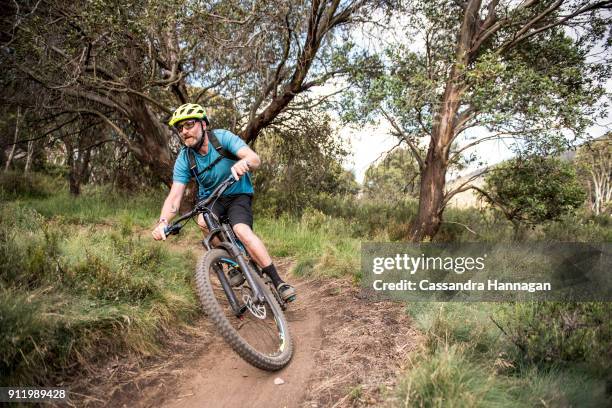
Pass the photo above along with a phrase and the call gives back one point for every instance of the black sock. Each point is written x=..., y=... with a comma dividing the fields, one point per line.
x=270, y=270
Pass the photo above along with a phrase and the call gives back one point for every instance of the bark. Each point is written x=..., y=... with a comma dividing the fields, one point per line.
x=449, y=122
x=323, y=18
x=74, y=185
x=427, y=221
x=79, y=168
x=153, y=138
x=12, y=153
x=30, y=154
x=432, y=199
x=433, y=180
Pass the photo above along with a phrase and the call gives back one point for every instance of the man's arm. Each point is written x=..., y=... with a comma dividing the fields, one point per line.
x=249, y=160
x=169, y=209
x=249, y=155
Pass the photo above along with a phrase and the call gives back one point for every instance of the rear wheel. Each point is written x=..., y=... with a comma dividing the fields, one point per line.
x=260, y=333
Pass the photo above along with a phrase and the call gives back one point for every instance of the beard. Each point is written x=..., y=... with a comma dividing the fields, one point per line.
x=190, y=140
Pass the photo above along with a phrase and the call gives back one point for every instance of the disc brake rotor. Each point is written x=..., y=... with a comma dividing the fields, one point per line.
x=259, y=311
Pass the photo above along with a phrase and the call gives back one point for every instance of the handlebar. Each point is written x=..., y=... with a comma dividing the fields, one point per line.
x=200, y=206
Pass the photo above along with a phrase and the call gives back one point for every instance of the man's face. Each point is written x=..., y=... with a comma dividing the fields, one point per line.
x=190, y=131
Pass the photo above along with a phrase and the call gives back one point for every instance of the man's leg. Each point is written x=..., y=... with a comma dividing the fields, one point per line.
x=253, y=245
x=240, y=214
x=258, y=252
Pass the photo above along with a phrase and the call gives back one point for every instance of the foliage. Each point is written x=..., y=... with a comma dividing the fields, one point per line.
x=485, y=70
x=69, y=298
x=299, y=161
x=393, y=178
x=467, y=361
x=121, y=292
x=124, y=65
x=534, y=190
x=559, y=333
x=17, y=184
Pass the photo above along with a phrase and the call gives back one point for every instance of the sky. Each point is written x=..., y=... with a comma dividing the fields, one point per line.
x=369, y=143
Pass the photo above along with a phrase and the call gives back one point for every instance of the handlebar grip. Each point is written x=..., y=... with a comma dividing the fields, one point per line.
x=172, y=229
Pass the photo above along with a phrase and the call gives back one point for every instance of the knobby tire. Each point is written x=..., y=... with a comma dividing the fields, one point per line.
x=214, y=304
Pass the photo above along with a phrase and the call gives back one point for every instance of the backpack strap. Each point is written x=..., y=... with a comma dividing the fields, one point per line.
x=212, y=138
x=223, y=153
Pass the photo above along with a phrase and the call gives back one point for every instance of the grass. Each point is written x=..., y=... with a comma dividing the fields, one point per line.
x=97, y=206
x=321, y=245
x=72, y=295
x=467, y=362
x=77, y=286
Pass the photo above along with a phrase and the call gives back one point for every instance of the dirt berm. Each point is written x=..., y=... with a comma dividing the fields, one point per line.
x=348, y=352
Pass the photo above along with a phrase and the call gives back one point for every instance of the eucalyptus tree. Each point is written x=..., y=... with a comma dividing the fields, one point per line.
x=594, y=162
x=393, y=178
x=127, y=63
x=480, y=70
x=532, y=190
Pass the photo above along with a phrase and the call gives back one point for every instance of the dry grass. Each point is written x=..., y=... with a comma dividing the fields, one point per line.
x=128, y=380
x=364, y=345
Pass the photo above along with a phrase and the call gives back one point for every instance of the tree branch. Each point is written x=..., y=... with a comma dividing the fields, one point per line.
x=462, y=187
x=411, y=145
x=519, y=38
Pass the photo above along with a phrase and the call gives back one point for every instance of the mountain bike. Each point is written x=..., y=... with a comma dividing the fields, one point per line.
x=243, y=304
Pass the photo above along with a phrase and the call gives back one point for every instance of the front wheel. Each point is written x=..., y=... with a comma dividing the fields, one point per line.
x=260, y=334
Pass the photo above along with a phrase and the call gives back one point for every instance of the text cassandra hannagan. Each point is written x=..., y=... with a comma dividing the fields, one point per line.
x=492, y=285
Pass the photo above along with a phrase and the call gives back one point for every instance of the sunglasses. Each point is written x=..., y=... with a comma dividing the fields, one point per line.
x=188, y=124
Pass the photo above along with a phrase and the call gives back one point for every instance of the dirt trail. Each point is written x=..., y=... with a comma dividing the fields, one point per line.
x=348, y=352
x=220, y=378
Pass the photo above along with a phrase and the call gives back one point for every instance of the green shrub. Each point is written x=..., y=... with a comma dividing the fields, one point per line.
x=466, y=361
x=447, y=378
x=70, y=295
x=559, y=333
x=465, y=324
x=29, y=248
x=577, y=229
x=14, y=184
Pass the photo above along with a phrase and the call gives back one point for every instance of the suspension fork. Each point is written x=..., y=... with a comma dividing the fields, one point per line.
x=236, y=253
x=231, y=297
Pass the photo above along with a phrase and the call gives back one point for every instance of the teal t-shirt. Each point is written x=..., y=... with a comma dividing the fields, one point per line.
x=221, y=171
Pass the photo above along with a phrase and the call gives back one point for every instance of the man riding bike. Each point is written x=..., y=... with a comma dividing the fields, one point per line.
x=207, y=156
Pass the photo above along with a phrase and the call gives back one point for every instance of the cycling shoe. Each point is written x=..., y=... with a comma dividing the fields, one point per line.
x=286, y=292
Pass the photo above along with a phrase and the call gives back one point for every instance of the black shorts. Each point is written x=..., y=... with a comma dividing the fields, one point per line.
x=237, y=207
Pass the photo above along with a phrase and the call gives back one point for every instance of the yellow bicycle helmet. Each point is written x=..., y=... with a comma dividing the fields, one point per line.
x=188, y=111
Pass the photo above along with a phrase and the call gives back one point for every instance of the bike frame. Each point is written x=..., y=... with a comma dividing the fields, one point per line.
x=228, y=241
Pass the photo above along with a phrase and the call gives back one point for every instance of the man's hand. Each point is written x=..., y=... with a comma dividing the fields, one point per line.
x=158, y=232
x=240, y=168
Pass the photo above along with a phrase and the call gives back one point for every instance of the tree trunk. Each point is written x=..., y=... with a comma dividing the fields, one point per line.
x=152, y=148
x=74, y=183
x=433, y=179
x=431, y=202
x=12, y=154
x=28, y=164
x=79, y=167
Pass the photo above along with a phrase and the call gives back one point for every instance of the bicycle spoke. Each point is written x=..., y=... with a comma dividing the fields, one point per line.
x=262, y=334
